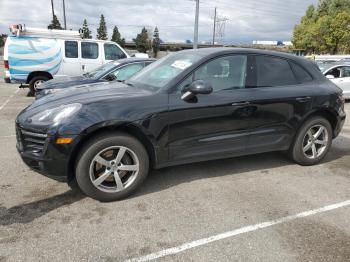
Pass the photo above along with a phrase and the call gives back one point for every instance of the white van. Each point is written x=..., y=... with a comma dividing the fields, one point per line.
x=33, y=55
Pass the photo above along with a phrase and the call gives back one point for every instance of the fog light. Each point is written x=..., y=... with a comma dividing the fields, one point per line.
x=64, y=140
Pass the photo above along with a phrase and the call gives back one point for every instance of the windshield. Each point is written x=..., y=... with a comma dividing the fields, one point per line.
x=101, y=70
x=160, y=73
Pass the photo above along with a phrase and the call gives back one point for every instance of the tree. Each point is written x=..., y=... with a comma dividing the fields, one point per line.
x=55, y=23
x=116, y=37
x=156, y=42
x=86, y=30
x=2, y=42
x=142, y=42
x=102, y=29
x=325, y=29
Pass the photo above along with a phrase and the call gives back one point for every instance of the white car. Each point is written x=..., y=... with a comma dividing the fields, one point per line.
x=339, y=74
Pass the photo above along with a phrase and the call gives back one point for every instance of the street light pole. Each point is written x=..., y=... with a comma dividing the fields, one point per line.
x=195, y=38
x=53, y=10
x=64, y=15
x=214, y=29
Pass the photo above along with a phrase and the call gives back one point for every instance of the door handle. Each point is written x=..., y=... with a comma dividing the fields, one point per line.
x=83, y=67
x=241, y=103
x=303, y=99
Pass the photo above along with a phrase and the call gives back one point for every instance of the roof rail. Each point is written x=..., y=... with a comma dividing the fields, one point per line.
x=20, y=30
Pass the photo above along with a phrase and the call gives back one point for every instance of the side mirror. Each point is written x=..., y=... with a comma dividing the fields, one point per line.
x=196, y=88
x=330, y=76
x=110, y=77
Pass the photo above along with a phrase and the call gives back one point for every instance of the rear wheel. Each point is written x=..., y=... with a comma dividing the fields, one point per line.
x=35, y=82
x=312, y=141
x=111, y=167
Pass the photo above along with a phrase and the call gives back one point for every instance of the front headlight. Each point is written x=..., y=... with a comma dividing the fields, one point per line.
x=55, y=115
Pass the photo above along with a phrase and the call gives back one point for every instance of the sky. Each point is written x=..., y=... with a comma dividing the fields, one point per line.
x=246, y=20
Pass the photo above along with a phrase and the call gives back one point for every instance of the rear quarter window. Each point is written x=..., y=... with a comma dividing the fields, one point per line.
x=301, y=74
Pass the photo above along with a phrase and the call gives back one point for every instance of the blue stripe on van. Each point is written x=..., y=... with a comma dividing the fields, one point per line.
x=25, y=49
x=14, y=61
x=52, y=70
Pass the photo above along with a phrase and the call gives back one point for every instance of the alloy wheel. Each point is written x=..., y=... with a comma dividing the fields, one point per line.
x=315, y=141
x=114, y=169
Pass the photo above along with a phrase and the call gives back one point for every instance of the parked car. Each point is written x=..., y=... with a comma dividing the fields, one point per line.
x=119, y=70
x=339, y=74
x=190, y=106
x=33, y=56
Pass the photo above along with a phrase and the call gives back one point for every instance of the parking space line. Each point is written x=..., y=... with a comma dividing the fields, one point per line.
x=7, y=136
x=229, y=234
x=8, y=100
x=345, y=135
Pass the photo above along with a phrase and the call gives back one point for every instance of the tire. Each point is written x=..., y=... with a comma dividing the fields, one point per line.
x=302, y=151
x=34, y=81
x=109, y=147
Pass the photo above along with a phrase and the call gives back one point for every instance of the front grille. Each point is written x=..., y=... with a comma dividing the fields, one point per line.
x=31, y=141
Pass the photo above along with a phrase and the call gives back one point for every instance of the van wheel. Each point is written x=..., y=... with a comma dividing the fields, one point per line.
x=111, y=167
x=35, y=81
x=312, y=142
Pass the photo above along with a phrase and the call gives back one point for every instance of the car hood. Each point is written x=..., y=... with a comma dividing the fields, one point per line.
x=65, y=81
x=89, y=94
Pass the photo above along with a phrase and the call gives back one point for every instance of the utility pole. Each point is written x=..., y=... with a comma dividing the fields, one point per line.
x=195, y=38
x=64, y=15
x=214, y=29
x=53, y=10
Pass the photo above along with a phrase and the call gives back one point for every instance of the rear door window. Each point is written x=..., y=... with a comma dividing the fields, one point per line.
x=273, y=71
x=113, y=52
x=89, y=50
x=346, y=71
x=71, y=49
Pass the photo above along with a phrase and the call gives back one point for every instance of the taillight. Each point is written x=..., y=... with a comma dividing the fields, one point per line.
x=6, y=64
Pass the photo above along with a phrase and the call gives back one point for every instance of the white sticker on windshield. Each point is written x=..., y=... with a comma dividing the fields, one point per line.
x=181, y=64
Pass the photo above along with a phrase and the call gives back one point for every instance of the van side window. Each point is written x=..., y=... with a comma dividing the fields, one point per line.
x=89, y=50
x=71, y=49
x=113, y=52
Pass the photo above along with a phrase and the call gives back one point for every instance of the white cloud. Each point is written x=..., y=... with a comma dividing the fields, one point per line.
x=248, y=20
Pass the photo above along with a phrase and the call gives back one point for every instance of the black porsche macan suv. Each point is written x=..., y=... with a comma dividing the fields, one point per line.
x=190, y=106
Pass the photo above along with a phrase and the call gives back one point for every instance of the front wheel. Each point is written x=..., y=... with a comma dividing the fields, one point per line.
x=111, y=167
x=312, y=141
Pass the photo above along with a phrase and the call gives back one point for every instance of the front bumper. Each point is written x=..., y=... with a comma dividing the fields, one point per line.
x=40, y=153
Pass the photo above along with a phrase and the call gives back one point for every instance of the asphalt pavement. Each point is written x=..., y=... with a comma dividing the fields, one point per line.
x=255, y=208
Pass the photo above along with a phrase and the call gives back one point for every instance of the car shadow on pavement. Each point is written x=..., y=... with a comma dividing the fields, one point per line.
x=26, y=213
x=162, y=179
